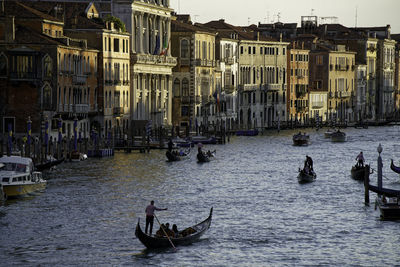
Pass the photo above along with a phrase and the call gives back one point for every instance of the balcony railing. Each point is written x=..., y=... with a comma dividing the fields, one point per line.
x=317, y=104
x=154, y=59
x=229, y=60
x=79, y=79
x=205, y=63
x=274, y=87
x=249, y=87
x=229, y=89
x=80, y=108
x=118, y=111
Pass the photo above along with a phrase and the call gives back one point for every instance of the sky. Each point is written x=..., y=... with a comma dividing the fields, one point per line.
x=242, y=13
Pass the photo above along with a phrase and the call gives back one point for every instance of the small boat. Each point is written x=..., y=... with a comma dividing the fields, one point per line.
x=48, y=165
x=77, y=156
x=153, y=242
x=18, y=178
x=204, y=140
x=179, y=142
x=394, y=168
x=301, y=139
x=329, y=133
x=338, y=136
x=358, y=172
x=306, y=176
x=247, y=132
x=389, y=207
x=177, y=156
x=206, y=157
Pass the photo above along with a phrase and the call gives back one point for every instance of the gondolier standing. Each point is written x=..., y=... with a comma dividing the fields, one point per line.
x=360, y=160
x=150, y=216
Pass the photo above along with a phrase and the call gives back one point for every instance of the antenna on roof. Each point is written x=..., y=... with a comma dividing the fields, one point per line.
x=279, y=16
x=356, y=17
x=312, y=10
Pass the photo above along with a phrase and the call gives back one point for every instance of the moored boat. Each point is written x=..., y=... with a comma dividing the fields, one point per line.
x=18, y=178
x=306, y=176
x=338, y=136
x=163, y=242
x=394, y=168
x=247, y=132
x=301, y=139
x=47, y=165
x=204, y=140
x=358, y=172
x=389, y=207
x=179, y=142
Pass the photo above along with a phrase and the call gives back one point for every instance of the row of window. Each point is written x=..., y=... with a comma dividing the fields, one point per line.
x=299, y=57
x=76, y=64
x=118, y=102
x=263, y=50
x=114, y=74
x=113, y=44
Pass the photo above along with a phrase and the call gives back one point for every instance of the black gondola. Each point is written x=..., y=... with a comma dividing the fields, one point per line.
x=384, y=191
x=201, y=157
x=306, y=177
x=175, y=156
x=394, y=168
x=358, y=172
x=48, y=165
x=163, y=242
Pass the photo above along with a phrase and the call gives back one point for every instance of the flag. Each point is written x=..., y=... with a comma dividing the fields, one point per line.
x=216, y=96
x=156, y=50
x=165, y=47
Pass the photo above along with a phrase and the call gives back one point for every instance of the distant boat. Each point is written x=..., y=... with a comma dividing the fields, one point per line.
x=204, y=140
x=394, y=168
x=177, y=155
x=329, y=133
x=338, y=136
x=301, y=139
x=47, y=165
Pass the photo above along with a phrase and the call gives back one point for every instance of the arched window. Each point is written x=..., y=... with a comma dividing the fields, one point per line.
x=184, y=48
x=3, y=65
x=177, y=88
x=47, y=67
x=185, y=87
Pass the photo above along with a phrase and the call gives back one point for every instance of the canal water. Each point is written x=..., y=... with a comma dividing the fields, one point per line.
x=262, y=215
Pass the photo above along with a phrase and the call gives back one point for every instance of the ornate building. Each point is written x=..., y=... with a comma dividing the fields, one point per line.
x=149, y=23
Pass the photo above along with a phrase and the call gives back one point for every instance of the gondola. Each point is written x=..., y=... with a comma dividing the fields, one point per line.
x=171, y=156
x=48, y=165
x=358, y=173
x=384, y=191
x=394, y=168
x=153, y=242
x=301, y=139
x=338, y=136
x=205, y=157
x=306, y=177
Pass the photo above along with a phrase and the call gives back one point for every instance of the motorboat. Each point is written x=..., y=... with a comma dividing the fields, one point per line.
x=77, y=156
x=389, y=207
x=18, y=178
x=329, y=133
x=301, y=139
x=338, y=136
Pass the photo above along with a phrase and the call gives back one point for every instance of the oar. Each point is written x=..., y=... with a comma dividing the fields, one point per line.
x=165, y=233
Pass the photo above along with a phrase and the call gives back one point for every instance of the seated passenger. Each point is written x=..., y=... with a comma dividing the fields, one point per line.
x=160, y=232
x=175, y=230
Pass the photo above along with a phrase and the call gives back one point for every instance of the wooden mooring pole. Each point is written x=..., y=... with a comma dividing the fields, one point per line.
x=366, y=185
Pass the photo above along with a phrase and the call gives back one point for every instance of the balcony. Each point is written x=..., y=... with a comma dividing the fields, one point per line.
x=118, y=111
x=125, y=82
x=249, y=87
x=184, y=61
x=204, y=63
x=274, y=87
x=229, y=60
x=154, y=60
x=317, y=104
x=342, y=94
x=117, y=82
x=388, y=89
x=342, y=67
x=229, y=89
x=79, y=79
x=80, y=108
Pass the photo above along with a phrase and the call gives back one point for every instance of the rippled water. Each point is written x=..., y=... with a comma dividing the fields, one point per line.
x=262, y=215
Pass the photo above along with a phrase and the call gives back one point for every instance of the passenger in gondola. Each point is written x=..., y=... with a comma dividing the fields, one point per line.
x=360, y=160
x=169, y=232
x=175, y=230
x=209, y=154
x=160, y=232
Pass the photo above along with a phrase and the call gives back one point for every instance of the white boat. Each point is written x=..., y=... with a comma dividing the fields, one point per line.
x=329, y=133
x=18, y=178
x=338, y=136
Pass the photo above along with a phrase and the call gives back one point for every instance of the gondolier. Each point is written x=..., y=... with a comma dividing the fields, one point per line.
x=150, y=216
